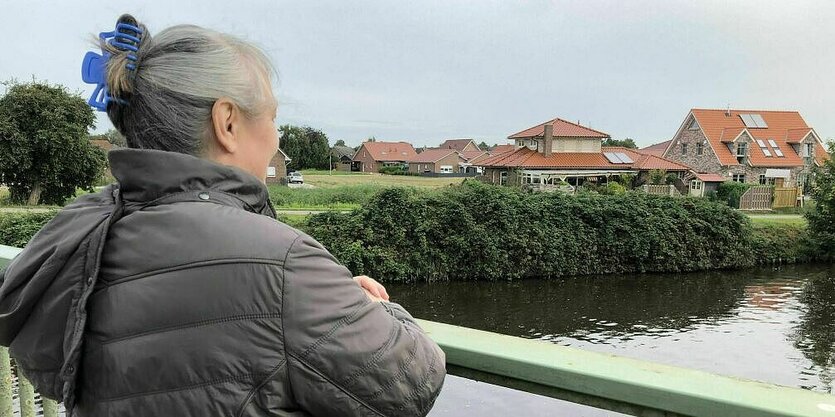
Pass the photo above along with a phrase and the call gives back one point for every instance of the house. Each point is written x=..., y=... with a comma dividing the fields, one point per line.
x=750, y=146
x=460, y=145
x=472, y=161
x=277, y=169
x=371, y=156
x=559, y=153
x=657, y=149
x=342, y=158
x=502, y=149
x=436, y=161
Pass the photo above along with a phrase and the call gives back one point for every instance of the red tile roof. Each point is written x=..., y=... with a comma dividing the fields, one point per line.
x=528, y=158
x=432, y=155
x=457, y=144
x=711, y=177
x=471, y=155
x=502, y=149
x=390, y=151
x=645, y=161
x=784, y=127
x=657, y=149
x=562, y=128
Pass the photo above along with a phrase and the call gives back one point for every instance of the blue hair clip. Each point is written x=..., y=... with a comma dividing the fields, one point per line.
x=94, y=66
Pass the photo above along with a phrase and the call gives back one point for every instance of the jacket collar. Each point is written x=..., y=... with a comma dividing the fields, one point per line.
x=146, y=175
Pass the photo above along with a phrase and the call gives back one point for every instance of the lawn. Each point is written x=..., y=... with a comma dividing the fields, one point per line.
x=321, y=179
x=778, y=219
x=347, y=191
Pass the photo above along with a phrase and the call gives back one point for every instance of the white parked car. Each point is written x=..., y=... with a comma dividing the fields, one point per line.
x=295, y=177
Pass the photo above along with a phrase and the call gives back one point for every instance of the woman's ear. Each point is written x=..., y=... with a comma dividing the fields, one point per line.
x=225, y=119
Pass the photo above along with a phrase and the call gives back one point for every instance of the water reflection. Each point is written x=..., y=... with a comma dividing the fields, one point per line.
x=776, y=325
x=815, y=332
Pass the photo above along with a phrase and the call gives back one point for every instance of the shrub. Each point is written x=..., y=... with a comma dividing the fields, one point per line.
x=16, y=229
x=729, y=192
x=478, y=231
x=822, y=217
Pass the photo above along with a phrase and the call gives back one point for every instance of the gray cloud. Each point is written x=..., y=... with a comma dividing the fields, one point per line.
x=425, y=71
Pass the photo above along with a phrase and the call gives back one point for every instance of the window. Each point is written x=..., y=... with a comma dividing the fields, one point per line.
x=738, y=178
x=741, y=151
x=684, y=149
x=766, y=181
x=530, y=178
x=809, y=150
x=503, y=178
x=695, y=185
x=270, y=172
x=694, y=125
x=699, y=148
x=446, y=169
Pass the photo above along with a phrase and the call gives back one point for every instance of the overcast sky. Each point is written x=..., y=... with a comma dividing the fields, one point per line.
x=424, y=71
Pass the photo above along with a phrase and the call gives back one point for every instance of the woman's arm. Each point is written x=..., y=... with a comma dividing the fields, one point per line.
x=348, y=355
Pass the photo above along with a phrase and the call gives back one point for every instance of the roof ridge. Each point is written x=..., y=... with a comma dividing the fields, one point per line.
x=579, y=125
x=748, y=110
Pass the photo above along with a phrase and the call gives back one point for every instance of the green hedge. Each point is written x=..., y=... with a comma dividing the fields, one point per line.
x=730, y=192
x=481, y=232
x=16, y=229
x=478, y=231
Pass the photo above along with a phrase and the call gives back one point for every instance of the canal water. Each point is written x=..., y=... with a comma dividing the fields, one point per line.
x=770, y=324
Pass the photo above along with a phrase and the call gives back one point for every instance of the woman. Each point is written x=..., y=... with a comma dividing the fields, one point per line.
x=176, y=292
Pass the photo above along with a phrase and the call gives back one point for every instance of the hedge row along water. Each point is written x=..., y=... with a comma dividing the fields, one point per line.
x=478, y=232
x=482, y=232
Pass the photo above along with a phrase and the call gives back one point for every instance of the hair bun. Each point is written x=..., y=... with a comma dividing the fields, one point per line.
x=125, y=53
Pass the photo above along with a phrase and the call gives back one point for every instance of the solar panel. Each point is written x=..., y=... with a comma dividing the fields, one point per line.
x=748, y=120
x=612, y=157
x=772, y=143
x=623, y=157
x=778, y=152
x=759, y=121
x=761, y=143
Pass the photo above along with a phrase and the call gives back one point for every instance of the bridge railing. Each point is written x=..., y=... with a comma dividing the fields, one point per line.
x=604, y=381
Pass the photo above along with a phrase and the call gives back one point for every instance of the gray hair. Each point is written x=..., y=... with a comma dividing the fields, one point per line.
x=179, y=75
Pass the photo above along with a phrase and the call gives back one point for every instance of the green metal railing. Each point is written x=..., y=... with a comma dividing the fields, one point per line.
x=605, y=381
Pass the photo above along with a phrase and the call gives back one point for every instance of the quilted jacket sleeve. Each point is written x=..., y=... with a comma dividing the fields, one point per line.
x=349, y=356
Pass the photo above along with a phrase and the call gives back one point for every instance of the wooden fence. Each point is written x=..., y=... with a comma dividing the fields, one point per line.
x=785, y=197
x=756, y=198
x=660, y=189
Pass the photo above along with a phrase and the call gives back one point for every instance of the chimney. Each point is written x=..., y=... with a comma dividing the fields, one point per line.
x=548, y=140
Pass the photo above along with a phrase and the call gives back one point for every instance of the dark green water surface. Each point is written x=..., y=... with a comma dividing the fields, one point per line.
x=770, y=324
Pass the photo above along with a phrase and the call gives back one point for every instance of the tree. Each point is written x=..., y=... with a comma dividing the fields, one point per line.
x=45, y=153
x=625, y=143
x=483, y=146
x=822, y=218
x=340, y=142
x=113, y=136
x=307, y=147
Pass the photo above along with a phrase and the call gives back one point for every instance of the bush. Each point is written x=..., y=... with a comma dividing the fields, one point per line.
x=729, y=192
x=781, y=243
x=478, y=231
x=16, y=229
x=822, y=217
x=396, y=170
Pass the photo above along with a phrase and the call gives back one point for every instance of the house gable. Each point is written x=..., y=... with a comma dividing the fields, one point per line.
x=707, y=161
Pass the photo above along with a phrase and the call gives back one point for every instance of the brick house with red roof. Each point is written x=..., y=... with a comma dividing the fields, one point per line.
x=437, y=161
x=371, y=156
x=751, y=146
x=557, y=152
x=460, y=145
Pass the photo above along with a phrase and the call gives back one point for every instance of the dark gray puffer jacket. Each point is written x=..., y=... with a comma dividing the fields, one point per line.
x=179, y=294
